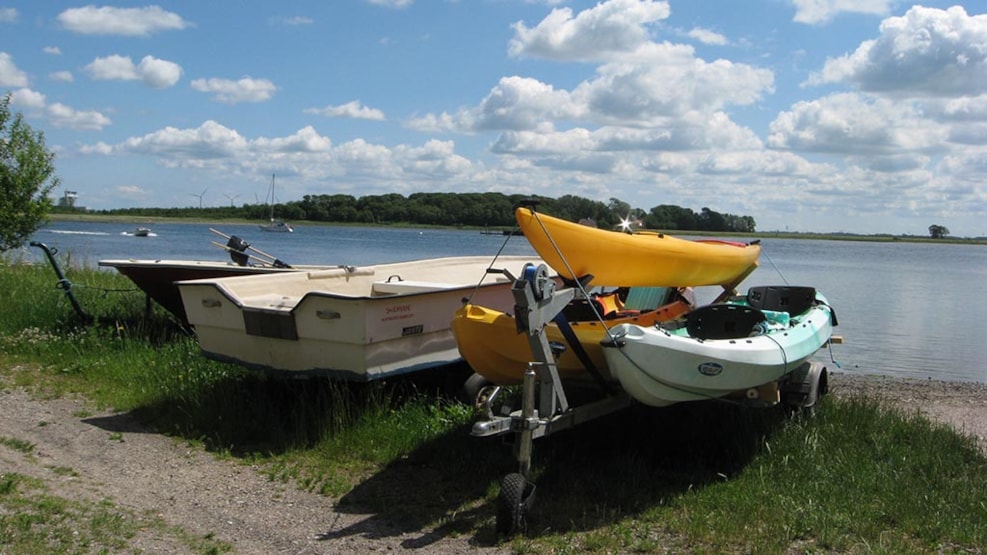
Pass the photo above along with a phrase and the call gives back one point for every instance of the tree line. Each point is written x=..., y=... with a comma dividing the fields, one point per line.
x=457, y=210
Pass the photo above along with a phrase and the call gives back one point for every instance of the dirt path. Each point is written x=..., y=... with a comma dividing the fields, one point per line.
x=113, y=457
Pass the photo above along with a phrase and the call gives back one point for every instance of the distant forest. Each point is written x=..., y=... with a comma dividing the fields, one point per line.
x=456, y=210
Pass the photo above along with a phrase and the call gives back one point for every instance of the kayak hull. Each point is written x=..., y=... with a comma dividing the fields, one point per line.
x=640, y=259
x=489, y=342
x=661, y=367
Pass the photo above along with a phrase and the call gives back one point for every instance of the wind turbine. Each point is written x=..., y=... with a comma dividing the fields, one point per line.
x=231, y=197
x=200, y=195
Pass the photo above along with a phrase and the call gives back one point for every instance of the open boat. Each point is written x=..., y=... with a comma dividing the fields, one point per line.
x=356, y=323
x=639, y=259
x=157, y=277
x=489, y=341
x=722, y=348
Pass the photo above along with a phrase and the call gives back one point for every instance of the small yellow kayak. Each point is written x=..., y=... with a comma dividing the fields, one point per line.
x=639, y=259
x=489, y=342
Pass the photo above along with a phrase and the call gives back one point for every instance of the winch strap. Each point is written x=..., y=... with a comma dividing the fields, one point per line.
x=580, y=352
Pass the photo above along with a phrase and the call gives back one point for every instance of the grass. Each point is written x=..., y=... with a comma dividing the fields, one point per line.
x=32, y=521
x=700, y=477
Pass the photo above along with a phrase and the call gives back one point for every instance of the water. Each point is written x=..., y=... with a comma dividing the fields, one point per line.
x=905, y=309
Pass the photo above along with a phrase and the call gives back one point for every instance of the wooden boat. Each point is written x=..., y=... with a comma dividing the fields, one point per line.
x=639, y=259
x=356, y=323
x=489, y=342
x=156, y=277
x=722, y=349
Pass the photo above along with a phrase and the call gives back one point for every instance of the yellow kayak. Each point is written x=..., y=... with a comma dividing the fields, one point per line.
x=489, y=342
x=639, y=259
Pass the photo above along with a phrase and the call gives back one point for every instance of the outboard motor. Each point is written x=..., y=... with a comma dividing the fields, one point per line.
x=237, y=249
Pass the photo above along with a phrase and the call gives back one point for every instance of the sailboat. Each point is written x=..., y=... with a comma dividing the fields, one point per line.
x=275, y=225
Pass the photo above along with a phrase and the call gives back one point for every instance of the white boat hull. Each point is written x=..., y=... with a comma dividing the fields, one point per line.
x=354, y=323
x=659, y=367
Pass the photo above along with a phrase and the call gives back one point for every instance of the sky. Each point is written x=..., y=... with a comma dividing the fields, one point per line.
x=857, y=116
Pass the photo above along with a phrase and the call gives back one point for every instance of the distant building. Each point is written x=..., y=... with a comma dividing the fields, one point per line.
x=69, y=199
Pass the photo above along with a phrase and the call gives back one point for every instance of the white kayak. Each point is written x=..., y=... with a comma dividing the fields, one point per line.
x=722, y=348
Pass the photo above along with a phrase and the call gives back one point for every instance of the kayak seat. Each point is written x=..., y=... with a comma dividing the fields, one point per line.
x=791, y=299
x=581, y=310
x=723, y=321
x=647, y=298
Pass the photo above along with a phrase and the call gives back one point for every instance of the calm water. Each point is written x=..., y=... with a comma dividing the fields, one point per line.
x=905, y=309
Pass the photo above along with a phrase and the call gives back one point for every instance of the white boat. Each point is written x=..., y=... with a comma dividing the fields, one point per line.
x=739, y=347
x=156, y=277
x=356, y=323
x=141, y=232
x=273, y=224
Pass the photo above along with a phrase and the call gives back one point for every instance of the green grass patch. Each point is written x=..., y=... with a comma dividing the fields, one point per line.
x=34, y=521
x=21, y=445
x=706, y=477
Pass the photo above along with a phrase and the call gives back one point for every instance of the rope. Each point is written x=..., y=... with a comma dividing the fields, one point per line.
x=773, y=265
x=499, y=252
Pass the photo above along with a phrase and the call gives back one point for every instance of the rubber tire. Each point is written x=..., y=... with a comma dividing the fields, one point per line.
x=471, y=388
x=510, y=504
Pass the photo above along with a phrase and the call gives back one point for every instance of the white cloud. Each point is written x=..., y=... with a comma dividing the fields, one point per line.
x=228, y=91
x=151, y=71
x=61, y=115
x=353, y=109
x=928, y=52
x=58, y=114
x=392, y=3
x=159, y=74
x=8, y=15
x=306, y=139
x=433, y=159
x=816, y=12
x=53, y=50
x=851, y=124
x=61, y=76
x=706, y=36
x=107, y=20
x=132, y=191
x=210, y=140
x=665, y=80
x=27, y=99
x=598, y=33
x=10, y=74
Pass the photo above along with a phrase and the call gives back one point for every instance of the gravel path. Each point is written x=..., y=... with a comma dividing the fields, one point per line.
x=114, y=457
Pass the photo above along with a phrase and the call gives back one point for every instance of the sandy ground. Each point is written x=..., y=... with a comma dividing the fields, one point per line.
x=116, y=458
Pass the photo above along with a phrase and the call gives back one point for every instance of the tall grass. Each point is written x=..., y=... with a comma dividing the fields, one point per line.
x=707, y=477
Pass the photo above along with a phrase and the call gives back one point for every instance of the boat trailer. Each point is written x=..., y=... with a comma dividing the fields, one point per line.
x=63, y=282
x=545, y=408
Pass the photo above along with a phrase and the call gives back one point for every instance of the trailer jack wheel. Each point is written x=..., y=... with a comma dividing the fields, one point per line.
x=517, y=495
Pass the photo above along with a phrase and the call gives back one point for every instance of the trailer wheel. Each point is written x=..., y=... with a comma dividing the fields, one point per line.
x=516, y=496
x=472, y=387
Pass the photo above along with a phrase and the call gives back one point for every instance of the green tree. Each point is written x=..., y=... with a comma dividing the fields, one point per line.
x=937, y=231
x=26, y=178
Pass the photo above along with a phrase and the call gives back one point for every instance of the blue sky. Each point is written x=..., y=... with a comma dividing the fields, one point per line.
x=864, y=116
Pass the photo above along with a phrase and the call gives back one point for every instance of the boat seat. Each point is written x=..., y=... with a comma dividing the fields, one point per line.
x=647, y=298
x=403, y=287
x=723, y=321
x=777, y=298
x=581, y=310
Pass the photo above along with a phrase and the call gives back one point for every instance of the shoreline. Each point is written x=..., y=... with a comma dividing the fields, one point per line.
x=874, y=238
x=959, y=404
